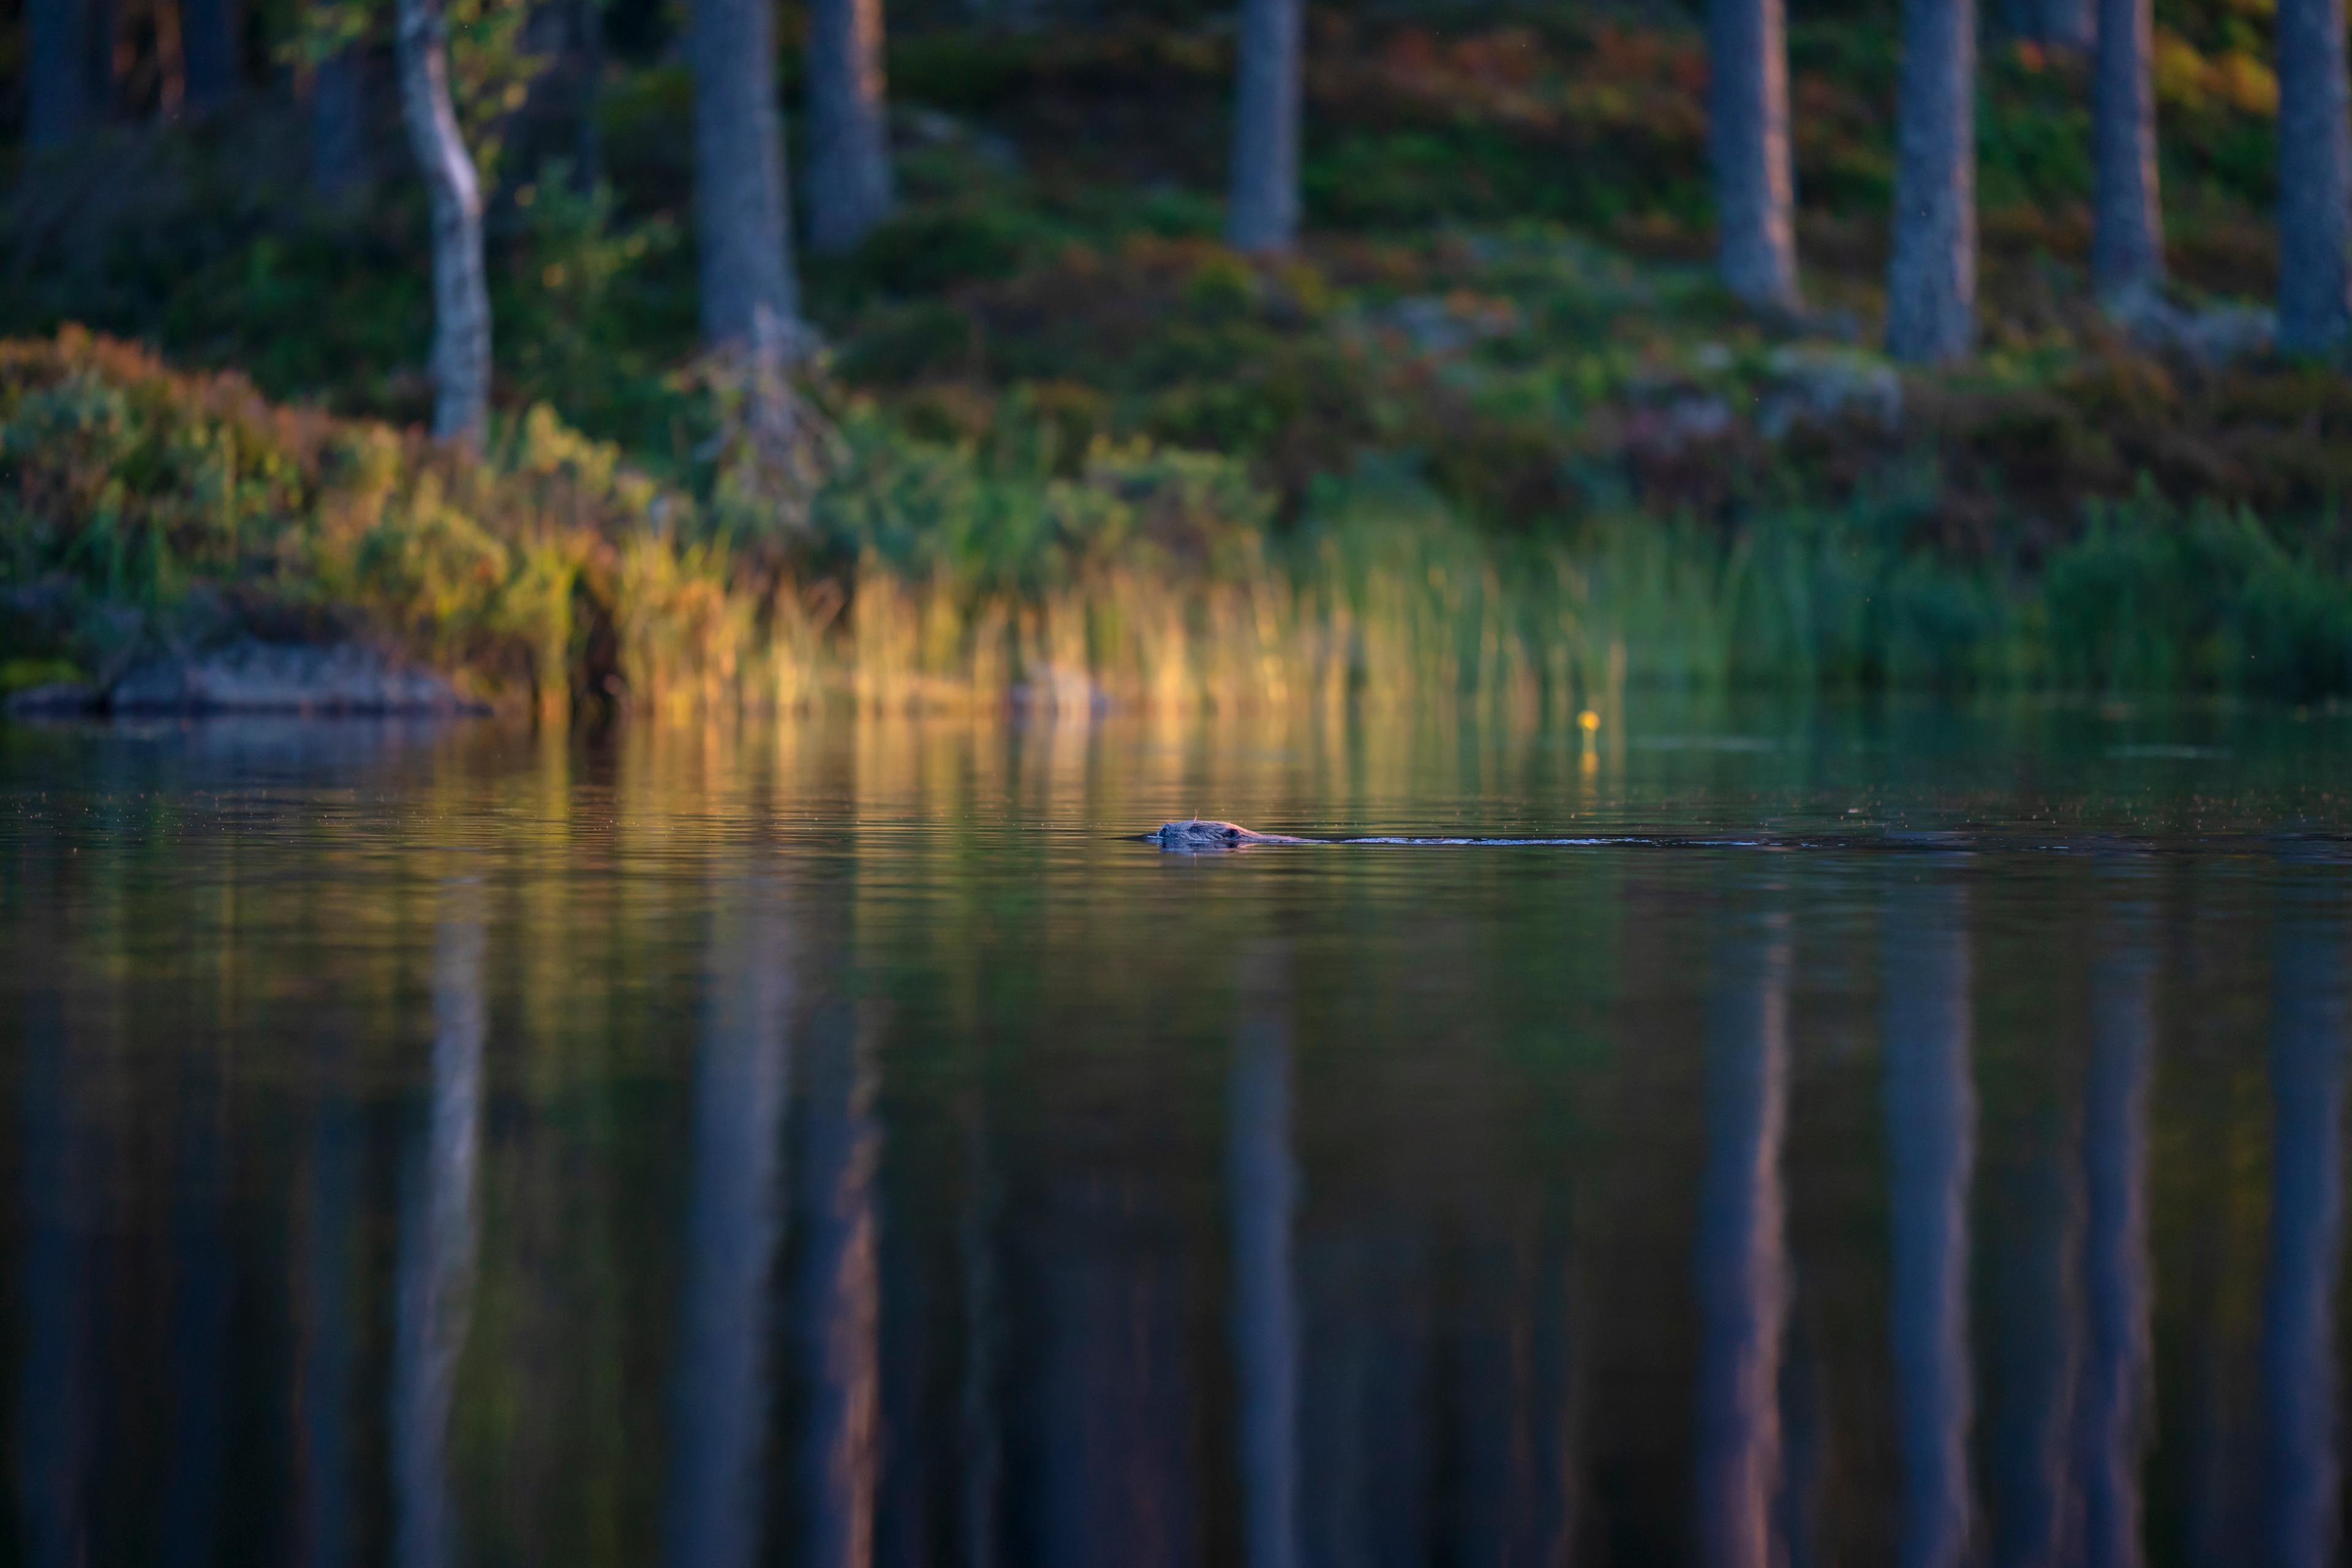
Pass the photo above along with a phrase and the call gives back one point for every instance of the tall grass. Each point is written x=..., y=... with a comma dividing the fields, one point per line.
x=138, y=506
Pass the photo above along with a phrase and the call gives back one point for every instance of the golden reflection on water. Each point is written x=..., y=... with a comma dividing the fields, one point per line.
x=843, y=1140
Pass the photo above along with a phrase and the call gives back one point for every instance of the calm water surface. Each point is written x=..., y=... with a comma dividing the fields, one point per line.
x=842, y=1144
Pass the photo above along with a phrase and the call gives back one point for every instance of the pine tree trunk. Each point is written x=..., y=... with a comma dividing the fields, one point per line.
x=208, y=44
x=2127, y=235
x=849, y=139
x=741, y=222
x=461, y=301
x=2315, y=222
x=58, y=106
x=1263, y=211
x=1747, y=134
x=338, y=125
x=1931, y=284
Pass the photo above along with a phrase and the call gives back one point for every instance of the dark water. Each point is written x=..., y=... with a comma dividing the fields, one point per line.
x=840, y=1145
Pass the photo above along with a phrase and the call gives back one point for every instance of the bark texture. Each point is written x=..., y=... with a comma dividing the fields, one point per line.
x=59, y=45
x=461, y=301
x=2315, y=222
x=1747, y=135
x=208, y=46
x=2127, y=234
x=1263, y=211
x=849, y=136
x=740, y=225
x=1931, y=284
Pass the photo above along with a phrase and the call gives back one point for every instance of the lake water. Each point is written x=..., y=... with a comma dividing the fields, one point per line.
x=1919, y=1142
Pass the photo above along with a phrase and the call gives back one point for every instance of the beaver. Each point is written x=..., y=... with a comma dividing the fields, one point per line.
x=1198, y=833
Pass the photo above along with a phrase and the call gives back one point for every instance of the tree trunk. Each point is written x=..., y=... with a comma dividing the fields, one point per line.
x=57, y=102
x=849, y=140
x=1747, y=134
x=1263, y=211
x=339, y=124
x=588, y=23
x=2315, y=222
x=461, y=303
x=69, y=51
x=208, y=46
x=2127, y=237
x=1931, y=284
x=738, y=174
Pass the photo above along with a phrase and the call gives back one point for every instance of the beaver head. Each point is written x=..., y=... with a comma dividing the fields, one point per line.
x=1198, y=833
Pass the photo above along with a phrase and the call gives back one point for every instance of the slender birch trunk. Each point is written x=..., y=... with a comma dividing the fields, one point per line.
x=741, y=224
x=2315, y=221
x=461, y=301
x=1748, y=136
x=849, y=137
x=2127, y=234
x=1931, y=284
x=1262, y=214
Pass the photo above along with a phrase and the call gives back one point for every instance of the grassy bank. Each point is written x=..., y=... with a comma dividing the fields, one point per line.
x=139, y=505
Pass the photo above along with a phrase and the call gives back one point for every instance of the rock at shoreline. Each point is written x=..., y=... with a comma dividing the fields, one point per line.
x=253, y=677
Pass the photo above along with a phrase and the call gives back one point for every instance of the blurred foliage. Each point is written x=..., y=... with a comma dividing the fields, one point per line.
x=1503, y=310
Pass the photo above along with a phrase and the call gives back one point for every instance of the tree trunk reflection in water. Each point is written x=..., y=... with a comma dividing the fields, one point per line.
x=200, y=1316
x=979, y=1413
x=1264, y=1181
x=2114, y=1398
x=437, y=1240
x=2308, y=1022
x=1931, y=1136
x=53, y=1431
x=2036, y=1333
x=323, y=1320
x=1742, y=1261
x=1115, y=1420
x=734, y=1221
x=840, y=1310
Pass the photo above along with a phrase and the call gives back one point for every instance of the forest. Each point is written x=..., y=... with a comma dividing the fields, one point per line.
x=731, y=354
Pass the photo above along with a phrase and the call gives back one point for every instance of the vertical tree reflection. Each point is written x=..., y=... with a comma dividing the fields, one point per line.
x=2113, y=1408
x=1263, y=1182
x=2308, y=1021
x=53, y=1431
x=200, y=1316
x=734, y=1221
x=437, y=1243
x=1743, y=1270
x=1931, y=1136
x=323, y=1321
x=840, y=1307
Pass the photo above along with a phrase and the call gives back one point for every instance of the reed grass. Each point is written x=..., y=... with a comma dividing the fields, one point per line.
x=138, y=505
